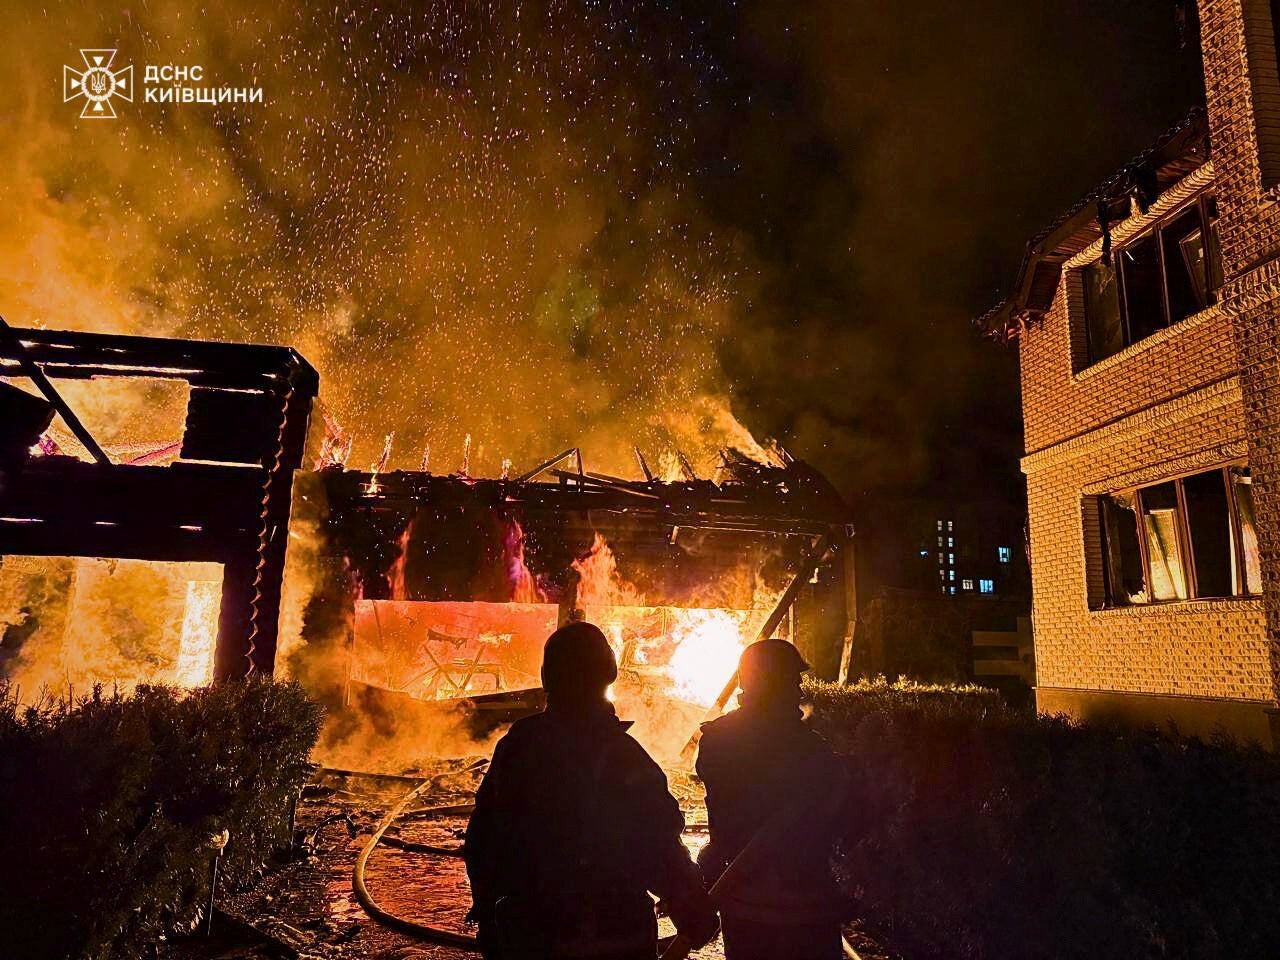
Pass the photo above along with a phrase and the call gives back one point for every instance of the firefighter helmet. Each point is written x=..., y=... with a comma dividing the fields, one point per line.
x=770, y=663
x=577, y=660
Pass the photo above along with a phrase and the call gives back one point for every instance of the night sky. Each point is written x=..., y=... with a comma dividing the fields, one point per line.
x=596, y=223
x=902, y=163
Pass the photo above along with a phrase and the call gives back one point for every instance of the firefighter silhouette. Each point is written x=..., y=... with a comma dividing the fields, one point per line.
x=574, y=827
x=774, y=793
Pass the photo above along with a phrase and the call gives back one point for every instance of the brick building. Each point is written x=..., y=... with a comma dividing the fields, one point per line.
x=1148, y=328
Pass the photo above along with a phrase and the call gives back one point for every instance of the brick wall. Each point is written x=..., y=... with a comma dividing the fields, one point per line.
x=1203, y=648
x=1202, y=393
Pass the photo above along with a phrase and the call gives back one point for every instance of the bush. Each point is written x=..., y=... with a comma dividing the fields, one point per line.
x=979, y=831
x=109, y=804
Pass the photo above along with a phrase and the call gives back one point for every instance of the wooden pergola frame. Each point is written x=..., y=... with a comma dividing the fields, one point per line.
x=226, y=500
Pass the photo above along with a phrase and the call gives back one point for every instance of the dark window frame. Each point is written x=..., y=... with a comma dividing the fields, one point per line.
x=1185, y=546
x=1212, y=254
x=1262, y=59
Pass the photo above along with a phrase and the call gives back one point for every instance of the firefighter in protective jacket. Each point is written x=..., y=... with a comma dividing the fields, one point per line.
x=574, y=826
x=774, y=794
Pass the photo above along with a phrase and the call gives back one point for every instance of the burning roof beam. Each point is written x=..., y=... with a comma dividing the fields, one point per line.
x=644, y=465
x=803, y=505
x=548, y=464
x=606, y=481
x=686, y=467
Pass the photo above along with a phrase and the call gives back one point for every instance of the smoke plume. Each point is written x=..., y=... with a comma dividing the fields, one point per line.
x=565, y=223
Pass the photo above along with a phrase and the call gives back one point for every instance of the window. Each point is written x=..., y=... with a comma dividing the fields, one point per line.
x=951, y=541
x=951, y=575
x=1103, y=326
x=1209, y=529
x=1004, y=554
x=1155, y=280
x=986, y=586
x=939, y=526
x=1190, y=537
x=1140, y=285
x=1186, y=280
x=1165, y=566
x=1123, y=569
x=1261, y=43
x=966, y=584
x=950, y=525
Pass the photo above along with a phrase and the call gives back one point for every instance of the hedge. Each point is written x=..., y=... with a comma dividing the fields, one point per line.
x=109, y=804
x=979, y=831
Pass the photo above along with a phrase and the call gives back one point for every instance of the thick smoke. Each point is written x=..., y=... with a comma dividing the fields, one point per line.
x=470, y=220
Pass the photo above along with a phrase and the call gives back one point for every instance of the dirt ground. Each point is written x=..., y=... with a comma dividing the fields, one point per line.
x=306, y=908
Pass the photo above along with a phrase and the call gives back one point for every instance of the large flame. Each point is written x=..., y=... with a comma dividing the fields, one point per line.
x=691, y=651
x=74, y=622
x=708, y=645
x=599, y=583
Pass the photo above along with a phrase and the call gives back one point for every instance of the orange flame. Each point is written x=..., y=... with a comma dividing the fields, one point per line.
x=693, y=651
x=524, y=586
x=599, y=583
x=397, y=572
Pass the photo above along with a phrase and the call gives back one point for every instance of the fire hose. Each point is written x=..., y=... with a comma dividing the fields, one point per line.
x=413, y=928
x=677, y=947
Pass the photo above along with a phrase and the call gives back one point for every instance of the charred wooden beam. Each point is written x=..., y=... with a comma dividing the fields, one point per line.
x=686, y=467
x=848, y=569
x=141, y=353
x=173, y=544
x=148, y=497
x=225, y=379
x=643, y=464
x=548, y=464
x=610, y=483
x=765, y=509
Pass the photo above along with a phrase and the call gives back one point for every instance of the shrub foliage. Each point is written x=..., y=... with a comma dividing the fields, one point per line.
x=110, y=802
x=979, y=831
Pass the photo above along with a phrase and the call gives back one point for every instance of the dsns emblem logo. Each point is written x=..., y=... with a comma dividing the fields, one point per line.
x=98, y=83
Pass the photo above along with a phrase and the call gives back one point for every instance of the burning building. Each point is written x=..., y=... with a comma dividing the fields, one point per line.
x=1145, y=320
x=413, y=598
x=440, y=589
